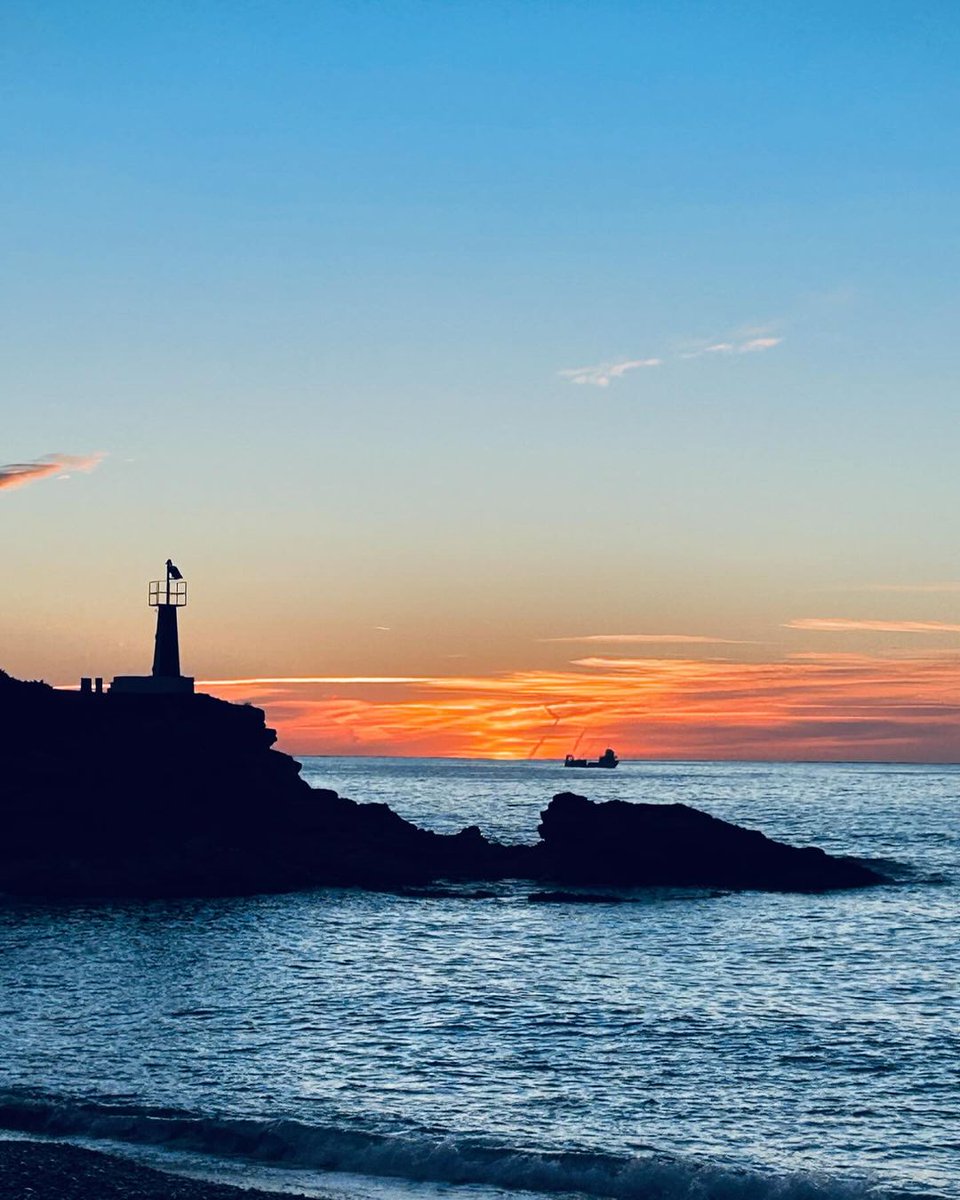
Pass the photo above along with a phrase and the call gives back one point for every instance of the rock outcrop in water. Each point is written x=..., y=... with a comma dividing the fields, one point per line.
x=184, y=795
x=668, y=845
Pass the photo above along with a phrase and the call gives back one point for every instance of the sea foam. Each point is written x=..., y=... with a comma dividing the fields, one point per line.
x=451, y=1160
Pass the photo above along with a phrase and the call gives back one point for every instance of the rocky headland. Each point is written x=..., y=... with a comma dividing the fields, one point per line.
x=127, y=795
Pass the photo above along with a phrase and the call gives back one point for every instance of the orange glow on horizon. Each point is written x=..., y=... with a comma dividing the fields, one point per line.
x=812, y=706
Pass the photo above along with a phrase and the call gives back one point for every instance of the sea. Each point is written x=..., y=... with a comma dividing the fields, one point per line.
x=680, y=1044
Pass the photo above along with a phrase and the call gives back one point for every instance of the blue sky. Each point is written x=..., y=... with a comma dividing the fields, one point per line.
x=308, y=276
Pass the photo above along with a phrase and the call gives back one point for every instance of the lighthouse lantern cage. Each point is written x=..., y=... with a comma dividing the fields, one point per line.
x=167, y=591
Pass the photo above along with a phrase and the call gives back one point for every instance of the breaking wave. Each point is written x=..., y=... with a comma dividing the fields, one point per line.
x=422, y=1158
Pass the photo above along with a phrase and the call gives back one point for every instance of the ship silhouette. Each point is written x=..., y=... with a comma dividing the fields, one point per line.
x=607, y=759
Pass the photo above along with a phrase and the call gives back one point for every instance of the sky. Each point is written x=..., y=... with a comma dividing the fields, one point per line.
x=504, y=379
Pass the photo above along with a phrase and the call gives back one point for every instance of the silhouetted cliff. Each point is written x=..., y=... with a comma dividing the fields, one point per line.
x=184, y=794
x=161, y=795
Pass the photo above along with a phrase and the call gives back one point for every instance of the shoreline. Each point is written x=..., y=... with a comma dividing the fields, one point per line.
x=44, y=1170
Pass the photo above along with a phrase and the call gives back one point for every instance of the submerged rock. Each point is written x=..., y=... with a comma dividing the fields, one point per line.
x=184, y=795
x=575, y=898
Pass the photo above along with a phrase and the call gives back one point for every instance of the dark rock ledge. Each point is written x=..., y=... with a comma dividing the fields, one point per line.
x=108, y=795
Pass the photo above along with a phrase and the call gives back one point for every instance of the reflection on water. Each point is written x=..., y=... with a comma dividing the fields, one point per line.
x=783, y=1032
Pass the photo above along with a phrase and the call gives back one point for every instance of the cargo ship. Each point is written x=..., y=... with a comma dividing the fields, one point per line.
x=607, y=759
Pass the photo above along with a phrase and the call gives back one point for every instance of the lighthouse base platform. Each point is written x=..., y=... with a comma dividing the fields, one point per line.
x=153, y=685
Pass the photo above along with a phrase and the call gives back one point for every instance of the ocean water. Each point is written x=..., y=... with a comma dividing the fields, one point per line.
x=684, y=1045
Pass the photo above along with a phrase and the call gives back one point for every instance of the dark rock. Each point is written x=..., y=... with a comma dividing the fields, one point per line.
x=673, y=845
x=184, y=795
x=149, y=795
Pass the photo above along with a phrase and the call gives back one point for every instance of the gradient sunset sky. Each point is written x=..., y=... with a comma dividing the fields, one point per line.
x=504, y=378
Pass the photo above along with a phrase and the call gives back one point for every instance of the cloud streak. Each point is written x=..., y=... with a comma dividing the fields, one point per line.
x=843, y=625
x=270, y=680
x=752, y=341
x=651, y=639
x=914, y=588
x=15, y=475
x=753, y=345
x=602, y=374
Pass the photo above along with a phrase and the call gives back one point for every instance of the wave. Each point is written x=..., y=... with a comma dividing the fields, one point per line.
x=899, y=872
x=445, y=1160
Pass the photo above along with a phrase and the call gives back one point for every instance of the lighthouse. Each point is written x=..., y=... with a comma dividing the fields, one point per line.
x=166, y=595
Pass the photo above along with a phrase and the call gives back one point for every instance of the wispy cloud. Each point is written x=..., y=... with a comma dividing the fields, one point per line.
x=602, y=374
x=751, y=340
x=606, y=663
x=750, y=345
x=843, y=625
x=302, y=679
x=662, y=639
x=15, y=475
x=916, y=588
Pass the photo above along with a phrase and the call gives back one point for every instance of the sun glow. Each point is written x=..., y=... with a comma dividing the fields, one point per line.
x=810, y=706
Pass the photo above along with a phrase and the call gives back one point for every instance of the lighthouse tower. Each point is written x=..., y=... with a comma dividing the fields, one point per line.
x=166, y=596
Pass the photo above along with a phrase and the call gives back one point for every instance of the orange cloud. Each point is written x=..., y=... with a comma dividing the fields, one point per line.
x=842, y=625
x=15, y=475
x=812, y=707
x=650, y=639
x=283, y=679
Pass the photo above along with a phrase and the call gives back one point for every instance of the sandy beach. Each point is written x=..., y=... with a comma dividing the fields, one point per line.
x=53, y=1171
